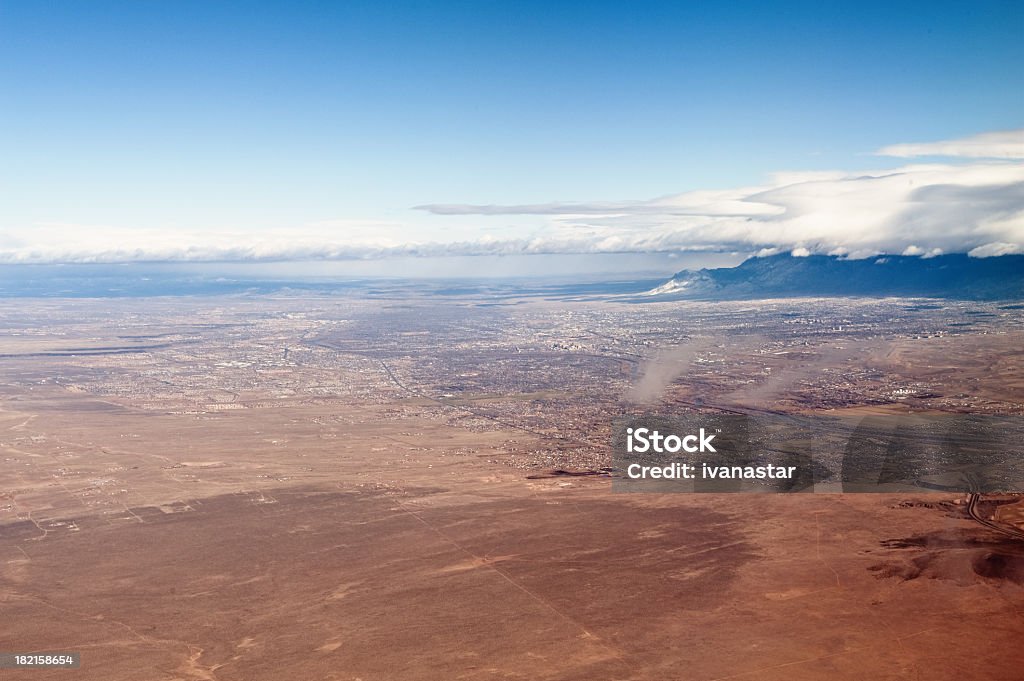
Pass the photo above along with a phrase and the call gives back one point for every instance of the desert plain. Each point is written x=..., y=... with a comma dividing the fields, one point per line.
x=382, y=486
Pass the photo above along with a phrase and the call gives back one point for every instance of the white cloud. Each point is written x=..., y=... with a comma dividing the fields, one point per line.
x=917, y=250
x=994, y=249
x=1002, y=144
x=967, y=204
x=921, y=209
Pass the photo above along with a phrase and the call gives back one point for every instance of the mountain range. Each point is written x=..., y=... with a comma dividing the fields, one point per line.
x=955, y=276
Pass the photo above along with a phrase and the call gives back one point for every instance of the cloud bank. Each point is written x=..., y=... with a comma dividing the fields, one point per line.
x=970, y=201
x=1002, y=144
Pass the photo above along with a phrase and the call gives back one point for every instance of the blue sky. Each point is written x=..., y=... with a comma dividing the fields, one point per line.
x=330, y=122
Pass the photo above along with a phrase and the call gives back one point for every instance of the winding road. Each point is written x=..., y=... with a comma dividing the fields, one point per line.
x=972, y=510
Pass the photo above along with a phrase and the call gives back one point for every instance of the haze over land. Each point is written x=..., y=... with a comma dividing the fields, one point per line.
x=393, y=481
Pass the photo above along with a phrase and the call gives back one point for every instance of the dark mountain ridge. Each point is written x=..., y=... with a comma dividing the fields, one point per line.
x=955, y=276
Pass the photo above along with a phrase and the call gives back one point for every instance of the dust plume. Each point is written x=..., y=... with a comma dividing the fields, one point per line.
x=781, y=380
x=667, y=365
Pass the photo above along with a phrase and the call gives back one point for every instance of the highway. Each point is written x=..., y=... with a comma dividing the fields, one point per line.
x=972, y=509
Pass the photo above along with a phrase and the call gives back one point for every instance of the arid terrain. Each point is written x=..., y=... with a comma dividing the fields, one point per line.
x=384, y=486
